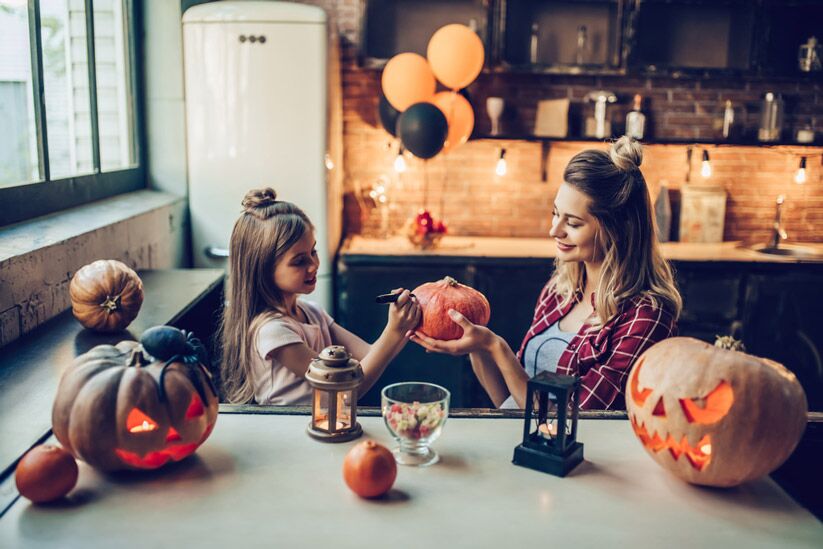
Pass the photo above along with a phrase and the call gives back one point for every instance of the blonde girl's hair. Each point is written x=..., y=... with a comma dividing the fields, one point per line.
x=632, y=264
x=266, y=229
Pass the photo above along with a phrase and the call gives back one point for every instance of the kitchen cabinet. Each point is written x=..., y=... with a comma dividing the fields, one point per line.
x=770, y=306
x=389, y=27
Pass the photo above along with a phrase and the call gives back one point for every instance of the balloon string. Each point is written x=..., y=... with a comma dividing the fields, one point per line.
x=425, y=184
x=443, y=190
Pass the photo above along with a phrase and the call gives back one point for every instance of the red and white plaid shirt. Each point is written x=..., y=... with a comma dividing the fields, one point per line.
x=603, y=358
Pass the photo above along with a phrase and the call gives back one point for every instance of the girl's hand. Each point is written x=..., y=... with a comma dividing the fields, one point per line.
x=404, y=314
x=475, y=338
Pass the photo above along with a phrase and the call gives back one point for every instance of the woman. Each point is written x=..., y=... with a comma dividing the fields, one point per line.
x=611, y=297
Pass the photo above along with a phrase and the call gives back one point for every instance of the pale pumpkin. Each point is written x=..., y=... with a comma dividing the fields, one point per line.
x=713, y=416
x=117, y=407
x=106, y=295
x=436, y=298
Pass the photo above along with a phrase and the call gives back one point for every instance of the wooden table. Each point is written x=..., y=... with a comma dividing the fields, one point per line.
x=261, y=481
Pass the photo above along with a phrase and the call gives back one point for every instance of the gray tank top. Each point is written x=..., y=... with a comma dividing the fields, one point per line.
x=542, y=353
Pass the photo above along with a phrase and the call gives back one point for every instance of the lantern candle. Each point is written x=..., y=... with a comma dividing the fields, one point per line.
x=547, y=430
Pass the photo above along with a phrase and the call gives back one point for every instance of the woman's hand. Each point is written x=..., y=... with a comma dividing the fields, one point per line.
x=404, y=314
x=475, y=338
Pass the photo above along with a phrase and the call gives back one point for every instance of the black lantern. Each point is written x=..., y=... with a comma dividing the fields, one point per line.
x=334, y=377
x=550, y=443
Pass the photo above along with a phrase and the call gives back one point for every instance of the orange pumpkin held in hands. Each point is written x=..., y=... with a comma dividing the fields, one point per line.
x=369, y=469
x=714, y=416
x=106, y=295
x=46, y=473
x=436, y=298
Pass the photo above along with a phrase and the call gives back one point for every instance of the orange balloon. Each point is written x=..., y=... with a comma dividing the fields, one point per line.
x=456, y=55
x=459, y=115
x=408, y=79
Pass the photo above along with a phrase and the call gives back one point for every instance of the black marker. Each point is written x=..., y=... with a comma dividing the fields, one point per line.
x=389, y=298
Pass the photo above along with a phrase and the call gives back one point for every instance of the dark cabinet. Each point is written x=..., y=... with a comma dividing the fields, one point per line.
x=389, y=27
x=694, y=35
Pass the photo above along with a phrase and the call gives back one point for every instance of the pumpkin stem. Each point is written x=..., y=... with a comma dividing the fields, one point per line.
x=730, y=343
x=451, y=281
x=111, y=304
x=137, y=358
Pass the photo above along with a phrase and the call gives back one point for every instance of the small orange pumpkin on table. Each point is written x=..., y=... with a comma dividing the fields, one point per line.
x=46, y=473
x=436, y=298
x=137, y=406
x=106, y=295
x=714, y=416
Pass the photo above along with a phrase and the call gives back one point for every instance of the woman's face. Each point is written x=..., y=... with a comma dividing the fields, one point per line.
x=296, y=272
x=573, y=227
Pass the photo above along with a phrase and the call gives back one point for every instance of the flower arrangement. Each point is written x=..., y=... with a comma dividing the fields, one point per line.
x=424, y=231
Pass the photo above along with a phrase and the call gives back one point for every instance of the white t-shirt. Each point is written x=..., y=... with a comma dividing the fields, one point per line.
x=273, y=382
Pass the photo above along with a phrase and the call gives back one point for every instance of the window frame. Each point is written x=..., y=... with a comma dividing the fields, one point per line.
x=45, y=196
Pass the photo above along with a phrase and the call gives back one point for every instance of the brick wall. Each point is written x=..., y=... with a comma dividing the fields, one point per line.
x=463, y=188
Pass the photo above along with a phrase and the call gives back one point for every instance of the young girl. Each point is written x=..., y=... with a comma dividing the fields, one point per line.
x=611, y=297
x=269, y=334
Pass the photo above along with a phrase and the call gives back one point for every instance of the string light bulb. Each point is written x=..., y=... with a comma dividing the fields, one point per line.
x=399, y=161
x=706, y=167
x=800, y=175
x=501, y=167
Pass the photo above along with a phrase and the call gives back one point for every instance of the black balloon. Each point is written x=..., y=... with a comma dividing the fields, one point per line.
x=423, y=129
x=388, y=115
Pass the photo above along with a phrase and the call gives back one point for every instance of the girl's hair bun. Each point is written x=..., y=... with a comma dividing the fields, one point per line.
x=259, y=198
x=627, y=154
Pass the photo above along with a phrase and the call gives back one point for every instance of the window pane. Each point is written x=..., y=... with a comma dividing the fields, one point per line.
x=114, y=98
x=18, y=138
x=66, y=86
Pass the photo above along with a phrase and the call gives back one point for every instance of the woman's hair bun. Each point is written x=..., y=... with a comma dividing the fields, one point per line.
x=259, y=198
x=626, y=153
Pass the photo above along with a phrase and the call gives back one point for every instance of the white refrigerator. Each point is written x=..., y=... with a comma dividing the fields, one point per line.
x=257, y=81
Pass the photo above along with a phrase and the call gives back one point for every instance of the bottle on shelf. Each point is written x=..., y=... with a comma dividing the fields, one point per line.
x=533, y=43
x=636, y=120
x=663, y=213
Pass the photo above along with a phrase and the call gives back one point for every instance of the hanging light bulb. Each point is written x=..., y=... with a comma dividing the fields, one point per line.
x=501, y=167
x=800, y=176
x=706, y=168
x=329, y=162
x=399, y=161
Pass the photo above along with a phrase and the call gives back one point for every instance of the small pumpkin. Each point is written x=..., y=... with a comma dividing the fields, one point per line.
x=369, y=469
x=436, y=298
x=714, y=416
x=119, y=407
x=106, y=295
x=46, y=473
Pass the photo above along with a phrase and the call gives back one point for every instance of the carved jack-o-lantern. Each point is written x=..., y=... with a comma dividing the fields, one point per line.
x=118, y=407
x=713, y=416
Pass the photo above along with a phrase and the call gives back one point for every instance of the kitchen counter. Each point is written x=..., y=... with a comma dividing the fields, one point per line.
x=544, y=248
x=260, y=480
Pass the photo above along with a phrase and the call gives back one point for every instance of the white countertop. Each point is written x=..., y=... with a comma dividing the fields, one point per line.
x=482, y=246
x=261, y=481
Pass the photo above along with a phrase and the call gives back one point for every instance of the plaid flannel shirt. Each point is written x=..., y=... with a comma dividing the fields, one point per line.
x=603, y=357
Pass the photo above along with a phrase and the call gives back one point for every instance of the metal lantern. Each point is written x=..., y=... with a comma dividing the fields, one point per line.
x=334, y=377
x=549, y=443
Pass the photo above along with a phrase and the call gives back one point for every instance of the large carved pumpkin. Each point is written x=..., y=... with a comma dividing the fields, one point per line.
x=436, y=298
x=106, y=295
x=118, y=407
x=713, y=416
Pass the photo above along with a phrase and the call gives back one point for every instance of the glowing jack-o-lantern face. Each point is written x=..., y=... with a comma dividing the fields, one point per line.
x=713, y=416
x=118, y=408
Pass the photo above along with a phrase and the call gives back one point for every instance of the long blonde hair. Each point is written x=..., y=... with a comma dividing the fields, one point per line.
x=632, y=264
x=266, y=229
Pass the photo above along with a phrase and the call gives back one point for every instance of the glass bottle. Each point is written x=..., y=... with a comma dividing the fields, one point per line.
x=636, y=120
x=533, y=42
x=582, y=43
x=771, y=117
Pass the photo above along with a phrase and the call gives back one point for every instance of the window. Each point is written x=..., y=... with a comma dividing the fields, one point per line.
x=69, y=122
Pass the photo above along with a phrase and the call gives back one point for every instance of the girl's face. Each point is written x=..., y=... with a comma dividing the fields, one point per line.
x=574, y=229
x=296, y=272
